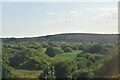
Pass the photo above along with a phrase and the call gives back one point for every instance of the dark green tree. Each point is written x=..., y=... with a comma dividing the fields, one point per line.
x=64, y=69
x=74, y=47
x=97, y=48
x=48, y=73
x=52, y=51
x=68, y=49
x=6, y=69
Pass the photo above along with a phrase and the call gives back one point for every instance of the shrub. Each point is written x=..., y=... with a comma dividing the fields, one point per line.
x=59, y=69
x=84, y=74
x=48, y=72
x=68, y=49
x=44, y=45
x=36, y=62
x=84, y=47
x=96, y=48
x=74, y=47
x=64, y=46
x=52, y=51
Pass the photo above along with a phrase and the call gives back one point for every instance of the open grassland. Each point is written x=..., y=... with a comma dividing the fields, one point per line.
x=68, y=55
x=27, y=73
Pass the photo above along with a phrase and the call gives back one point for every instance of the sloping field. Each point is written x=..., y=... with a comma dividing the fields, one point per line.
x=27, y=73
x=68, y=55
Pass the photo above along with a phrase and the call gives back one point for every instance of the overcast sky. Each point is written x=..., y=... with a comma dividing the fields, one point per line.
x=60, y=0
x=25, y=19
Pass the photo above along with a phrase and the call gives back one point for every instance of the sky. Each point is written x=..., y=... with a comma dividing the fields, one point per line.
x=60, y=0
x=31, y=19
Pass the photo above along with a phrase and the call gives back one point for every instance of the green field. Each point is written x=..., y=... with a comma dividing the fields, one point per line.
x=26, y=73
x=68, y=55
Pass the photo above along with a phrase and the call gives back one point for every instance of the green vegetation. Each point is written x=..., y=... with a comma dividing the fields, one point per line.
x=26, y=73
x=52, y=51
x=68, y=55
x=54, y=57
x=68, y=49
x=68, y=37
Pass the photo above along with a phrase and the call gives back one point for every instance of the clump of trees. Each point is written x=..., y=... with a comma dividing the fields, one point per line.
x=40, y=56
x=95, y=48
x=52, y=51
x=6, y=69
x=84, y=46
x=75, y=47
x=86, y=64
x=22, y=56
x=62, y=69
x=68, y=49
x=48, y=73
x=36, y=63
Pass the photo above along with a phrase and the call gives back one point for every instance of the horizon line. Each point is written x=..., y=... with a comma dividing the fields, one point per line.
x=56, y=34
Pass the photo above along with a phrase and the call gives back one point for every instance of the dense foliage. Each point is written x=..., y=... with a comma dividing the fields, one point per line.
x=86, y=58
x=52, y=51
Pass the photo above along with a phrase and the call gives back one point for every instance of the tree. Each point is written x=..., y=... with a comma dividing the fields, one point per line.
x=6, y=69
x=74, y=47
x=83, y=74
x=59, y=69
x=48, y=73
x=64, y=69
x=106, y=51
x=65, y=45
x=52, y=51
x=36, y=63
x=35, y=47
x=91, y=57
x=68, y=49
x=84, y=46
x=97, y=48
x=22, y=56
x=81, y=62
x=44, y=45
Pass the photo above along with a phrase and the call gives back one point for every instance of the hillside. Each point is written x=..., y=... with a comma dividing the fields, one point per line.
x=77, y=56
x=69, y=37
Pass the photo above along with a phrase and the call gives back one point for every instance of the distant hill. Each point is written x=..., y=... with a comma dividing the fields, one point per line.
x=69, y=37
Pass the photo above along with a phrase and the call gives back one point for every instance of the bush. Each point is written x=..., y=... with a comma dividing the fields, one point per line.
x=52, y=51
x=36, y=63
x=91, y=57
x=35, y=47
x=68, y=49
x=48, y=73
x=84, y=74
x=74, y=48
x=106, y=51
x=44, y=45
x=96, y=48
x=64, y=46
x=7, y=71
x=22, y=56
x=84, y=47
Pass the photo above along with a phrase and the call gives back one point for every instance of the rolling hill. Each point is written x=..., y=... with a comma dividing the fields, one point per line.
x=69, y=37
